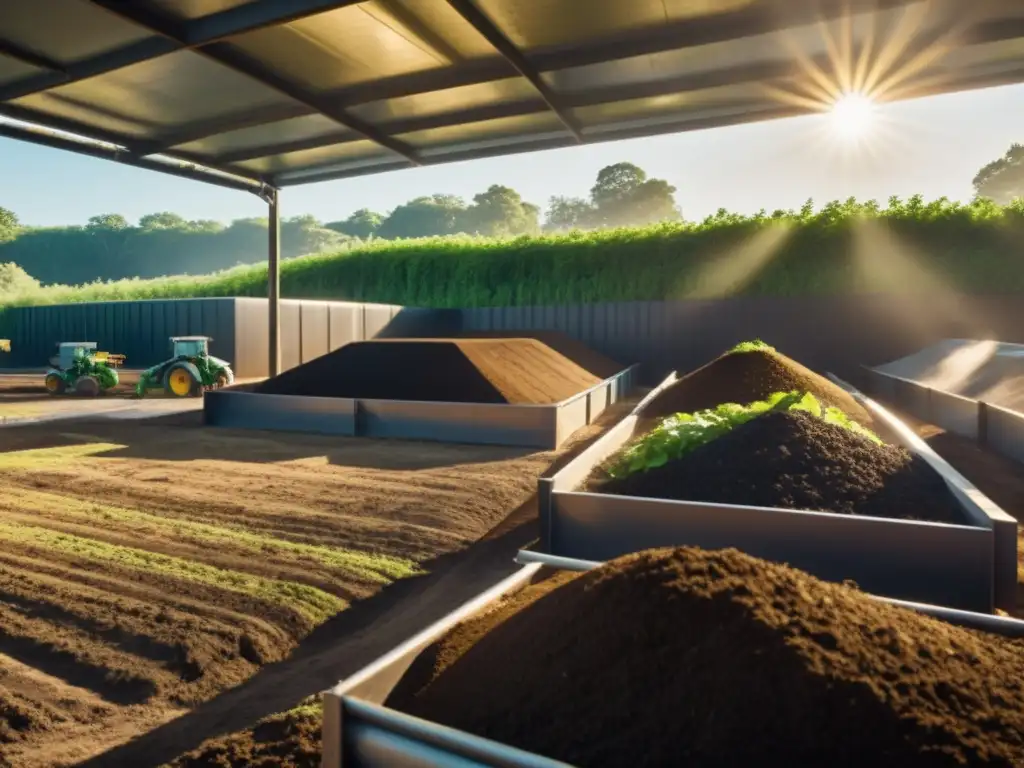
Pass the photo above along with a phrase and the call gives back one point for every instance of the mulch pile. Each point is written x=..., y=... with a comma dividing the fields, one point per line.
x=745, y=377
x=794, y=460
x=590, y=360
x=690, y=657
x=288, y=740
x=517, y=371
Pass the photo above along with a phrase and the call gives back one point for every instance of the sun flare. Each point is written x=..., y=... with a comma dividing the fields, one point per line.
x=853, y=115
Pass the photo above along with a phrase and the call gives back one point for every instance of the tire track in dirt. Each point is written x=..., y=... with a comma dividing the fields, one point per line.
x=237, y=559
x=76, y=658
x=133, y=596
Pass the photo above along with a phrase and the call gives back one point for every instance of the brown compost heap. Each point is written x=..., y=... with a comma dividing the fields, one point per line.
x=745, y=377
x=509, y=371
x=589, y=359
x=715, y=658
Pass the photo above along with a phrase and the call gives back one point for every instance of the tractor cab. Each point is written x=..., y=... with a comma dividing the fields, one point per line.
x=69, y=351
x=190, y=346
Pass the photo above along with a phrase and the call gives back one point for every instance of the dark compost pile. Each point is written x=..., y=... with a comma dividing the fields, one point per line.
x=793, y=460
x=523, y=371
x=690, y=657
x=745, y=377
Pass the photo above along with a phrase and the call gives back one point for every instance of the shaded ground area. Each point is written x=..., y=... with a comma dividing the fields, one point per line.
x=491, y=370
x=28, y=387
x=722, y=659
x=147, y=567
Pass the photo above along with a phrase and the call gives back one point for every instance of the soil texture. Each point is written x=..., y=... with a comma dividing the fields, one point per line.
x=586, y=358
x=744, y=377
x=146, y=567
x=793, y=460
x=509, y=371
x=287, y=740
x=690, y=657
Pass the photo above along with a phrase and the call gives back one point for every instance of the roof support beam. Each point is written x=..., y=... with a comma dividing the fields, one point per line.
x=255, y=16
x=25, y=56
x=46, y=138
x=231, y=58
x=479, y=21
x=398, y=127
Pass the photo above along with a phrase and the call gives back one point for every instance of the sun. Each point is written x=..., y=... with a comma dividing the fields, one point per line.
x=853, y=115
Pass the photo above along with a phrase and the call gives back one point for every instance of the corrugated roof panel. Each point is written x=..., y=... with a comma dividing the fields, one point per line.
x=12, y=70
x=340, y=48
x=662, y=110
x=296, y=129
x=702, y=103
x=486, y=133
x=434, y=23
x=65, y=30
x=449, y=100
x=813, y=41
x=147, y=99
x=352, y=152
x=533, y=24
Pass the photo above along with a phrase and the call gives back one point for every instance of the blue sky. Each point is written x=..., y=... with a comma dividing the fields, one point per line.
x=930, y=146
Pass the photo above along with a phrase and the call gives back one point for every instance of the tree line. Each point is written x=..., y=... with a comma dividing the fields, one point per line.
x=109, y=247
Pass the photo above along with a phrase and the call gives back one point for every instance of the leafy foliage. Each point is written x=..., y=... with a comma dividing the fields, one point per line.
x=681, y=433
x=968, y=247
x=1002, y=180
x=362, y=224
x=162, y=244
x=9, y=225
x=752, y=346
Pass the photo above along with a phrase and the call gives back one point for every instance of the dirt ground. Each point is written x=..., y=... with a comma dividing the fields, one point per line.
x=148, y=567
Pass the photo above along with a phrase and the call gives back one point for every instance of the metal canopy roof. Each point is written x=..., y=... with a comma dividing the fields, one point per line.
x=283, y=92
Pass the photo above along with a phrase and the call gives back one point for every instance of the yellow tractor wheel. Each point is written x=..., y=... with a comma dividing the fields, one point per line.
x=54, y=384
x=180, y=382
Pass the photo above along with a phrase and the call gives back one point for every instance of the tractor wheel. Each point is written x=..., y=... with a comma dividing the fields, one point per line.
x=179, y=382
x=87, y=386
x=54, y=384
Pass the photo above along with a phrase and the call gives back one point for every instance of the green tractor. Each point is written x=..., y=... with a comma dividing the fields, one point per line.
x=79, y=368
x=189, y=372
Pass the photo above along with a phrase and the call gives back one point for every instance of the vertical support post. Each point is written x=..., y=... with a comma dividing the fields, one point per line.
x=274, y=283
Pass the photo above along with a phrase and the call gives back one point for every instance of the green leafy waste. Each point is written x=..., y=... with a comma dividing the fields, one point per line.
x=752, y=346
x=681, y=433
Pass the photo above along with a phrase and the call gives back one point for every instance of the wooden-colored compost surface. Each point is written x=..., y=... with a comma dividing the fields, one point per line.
x=500, y=371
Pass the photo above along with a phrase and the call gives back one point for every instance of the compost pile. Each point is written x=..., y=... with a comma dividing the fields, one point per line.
x=516, y=371
x=690, y=657
x=586, y=358
x=744, y=377
x=794, y=460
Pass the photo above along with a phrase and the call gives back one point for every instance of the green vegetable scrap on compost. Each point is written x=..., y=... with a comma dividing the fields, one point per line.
x=752, y=346
x=681, y=433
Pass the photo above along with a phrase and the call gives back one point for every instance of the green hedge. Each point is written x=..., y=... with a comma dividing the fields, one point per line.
x=851, y=247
